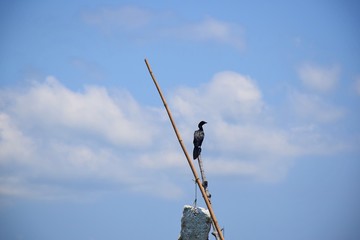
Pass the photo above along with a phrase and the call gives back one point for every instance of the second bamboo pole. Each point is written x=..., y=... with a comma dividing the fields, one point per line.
x=193, y=169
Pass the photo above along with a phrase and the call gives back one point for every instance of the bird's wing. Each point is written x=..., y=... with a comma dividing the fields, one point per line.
x=198, y=138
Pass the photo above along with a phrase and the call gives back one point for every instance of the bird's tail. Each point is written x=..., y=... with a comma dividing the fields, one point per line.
x=196, y=152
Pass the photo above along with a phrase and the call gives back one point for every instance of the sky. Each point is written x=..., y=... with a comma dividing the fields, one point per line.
x=88, y=152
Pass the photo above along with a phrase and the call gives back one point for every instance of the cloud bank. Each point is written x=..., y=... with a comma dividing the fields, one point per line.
x=111, y=19
x=143, y=23
x=55, y=139
x=323, y=79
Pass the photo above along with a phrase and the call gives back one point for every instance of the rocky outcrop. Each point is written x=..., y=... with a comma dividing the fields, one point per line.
x=195, y=223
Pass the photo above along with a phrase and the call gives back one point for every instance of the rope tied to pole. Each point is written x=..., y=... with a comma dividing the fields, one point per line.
x=195, y=200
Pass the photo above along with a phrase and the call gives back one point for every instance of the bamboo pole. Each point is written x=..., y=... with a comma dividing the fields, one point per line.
x=193, y=169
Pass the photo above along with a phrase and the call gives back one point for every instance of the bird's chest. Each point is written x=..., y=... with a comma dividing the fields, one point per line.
x=199, y=135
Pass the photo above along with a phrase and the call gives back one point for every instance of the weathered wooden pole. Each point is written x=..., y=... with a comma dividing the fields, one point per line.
x=193, y=169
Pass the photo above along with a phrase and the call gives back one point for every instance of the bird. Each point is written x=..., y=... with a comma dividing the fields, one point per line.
x=198, y=139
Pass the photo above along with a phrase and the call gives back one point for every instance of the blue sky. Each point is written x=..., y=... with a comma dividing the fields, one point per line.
x=86, y=148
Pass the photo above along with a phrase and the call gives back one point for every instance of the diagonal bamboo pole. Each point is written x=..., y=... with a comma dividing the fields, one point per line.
x=193, y=169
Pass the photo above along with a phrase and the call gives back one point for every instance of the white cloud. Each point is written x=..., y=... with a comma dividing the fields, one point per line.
x=315, y=141
x=211, y=29
x=55, y=140
x=94, y=111
x=229, y=95
x=318, y=78
x=14, y=146
x=49, y=132
x=144, y=24
x=315, y=108
x=239, y=135
x=126, y=17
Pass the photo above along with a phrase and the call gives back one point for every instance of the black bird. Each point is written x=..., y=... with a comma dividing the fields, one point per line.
x=198, y=139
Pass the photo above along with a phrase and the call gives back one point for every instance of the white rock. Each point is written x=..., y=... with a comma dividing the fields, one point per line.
x=195, y=223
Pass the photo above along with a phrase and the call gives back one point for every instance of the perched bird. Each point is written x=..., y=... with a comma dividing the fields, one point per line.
x=198, y=139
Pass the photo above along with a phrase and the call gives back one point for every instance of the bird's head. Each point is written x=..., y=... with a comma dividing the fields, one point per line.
x=201, y=124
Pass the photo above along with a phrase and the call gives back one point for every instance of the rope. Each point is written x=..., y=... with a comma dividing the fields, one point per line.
x=195, y=201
